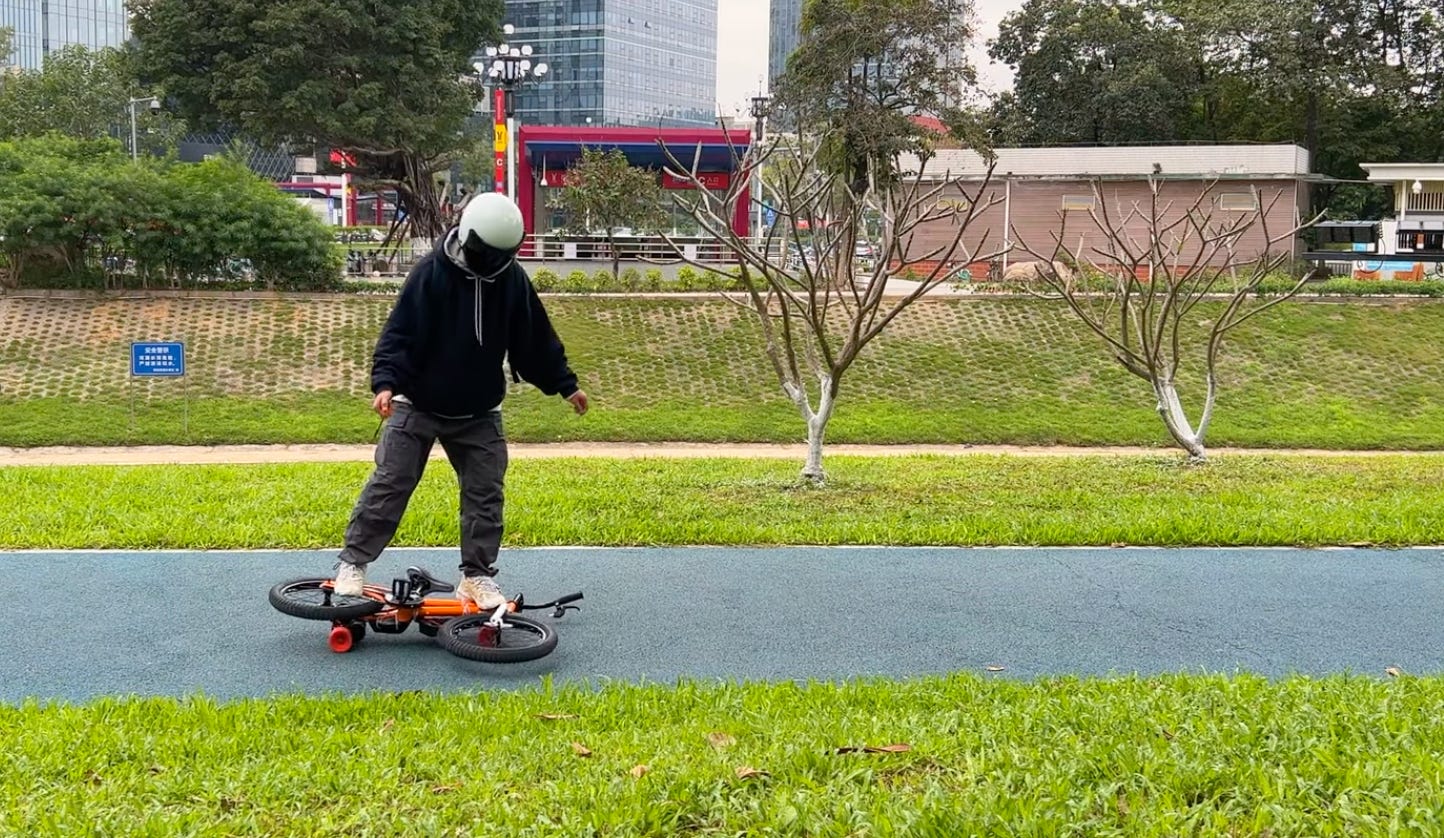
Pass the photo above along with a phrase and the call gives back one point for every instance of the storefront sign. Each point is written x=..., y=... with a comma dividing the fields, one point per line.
x=711, y=180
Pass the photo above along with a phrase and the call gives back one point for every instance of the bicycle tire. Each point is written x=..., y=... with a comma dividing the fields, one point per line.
x=522, y=640
x=295, y=598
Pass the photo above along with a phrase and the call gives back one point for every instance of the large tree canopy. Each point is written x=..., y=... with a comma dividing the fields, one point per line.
x=384, y=81
x=864, y=69
x=1349, y=81
x=81, y=93
x=1094, y=72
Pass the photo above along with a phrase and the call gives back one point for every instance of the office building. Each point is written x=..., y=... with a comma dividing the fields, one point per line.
x=786, y=24
x=619, y=62
x=41, y=27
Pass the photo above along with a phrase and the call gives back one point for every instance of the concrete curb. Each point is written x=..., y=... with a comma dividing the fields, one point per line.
x=343, y=453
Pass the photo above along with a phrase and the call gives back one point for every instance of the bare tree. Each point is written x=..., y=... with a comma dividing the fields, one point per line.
x=819, y=306
x=1140, y=269
x=868, y=81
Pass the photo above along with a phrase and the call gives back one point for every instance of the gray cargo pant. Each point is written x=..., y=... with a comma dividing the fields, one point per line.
x=477, y=450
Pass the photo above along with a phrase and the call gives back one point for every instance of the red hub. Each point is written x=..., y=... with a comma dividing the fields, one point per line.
x=489, y=636
x=341, y=639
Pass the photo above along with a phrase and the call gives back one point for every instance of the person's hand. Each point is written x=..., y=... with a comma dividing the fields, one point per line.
x=579, y=402
x=382, y=404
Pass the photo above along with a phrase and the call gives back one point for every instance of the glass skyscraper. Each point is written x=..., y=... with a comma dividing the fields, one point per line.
x=44, y=26
x=786, y=20
x=786, y=34
x=619, y=62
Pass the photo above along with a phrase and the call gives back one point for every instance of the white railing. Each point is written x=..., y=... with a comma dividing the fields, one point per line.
x=1424, y=202
x=551, y=250
x=548, y=248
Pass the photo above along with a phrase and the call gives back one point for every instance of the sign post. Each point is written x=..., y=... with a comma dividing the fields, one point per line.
x=498, y=112
x=160, y=360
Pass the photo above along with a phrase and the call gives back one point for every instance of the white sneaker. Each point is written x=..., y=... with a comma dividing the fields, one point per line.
x=350, y=579
x=481, y=590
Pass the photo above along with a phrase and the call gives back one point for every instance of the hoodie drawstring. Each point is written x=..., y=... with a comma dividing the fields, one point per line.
x=479, y=340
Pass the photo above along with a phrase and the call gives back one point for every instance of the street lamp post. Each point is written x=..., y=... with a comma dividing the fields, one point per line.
x=761, y=107
x=154, y=108
x=508, y=65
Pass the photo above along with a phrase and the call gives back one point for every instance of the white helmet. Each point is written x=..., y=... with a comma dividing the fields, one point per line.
x=491, y=233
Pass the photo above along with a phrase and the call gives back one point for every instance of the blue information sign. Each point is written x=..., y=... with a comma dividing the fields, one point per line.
x=157, y=359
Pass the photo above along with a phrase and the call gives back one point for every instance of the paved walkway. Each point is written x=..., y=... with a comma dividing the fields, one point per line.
x=200, y=621
x=327, y=453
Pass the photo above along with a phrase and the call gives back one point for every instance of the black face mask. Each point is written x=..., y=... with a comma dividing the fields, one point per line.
x=483, y=259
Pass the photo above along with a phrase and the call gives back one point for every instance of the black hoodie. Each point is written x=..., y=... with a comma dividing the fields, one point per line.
x=443, y=345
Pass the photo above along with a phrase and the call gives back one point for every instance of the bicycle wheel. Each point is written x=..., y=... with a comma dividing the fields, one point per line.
x=312, y=599
x=521, y=639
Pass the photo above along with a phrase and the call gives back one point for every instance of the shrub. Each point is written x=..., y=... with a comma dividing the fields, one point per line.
x=605, y=281
x=545, y=279
x=577, y=282
x=1275, y=286
x=77, y=213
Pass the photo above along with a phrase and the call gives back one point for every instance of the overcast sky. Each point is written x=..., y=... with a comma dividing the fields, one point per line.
x=742, y=48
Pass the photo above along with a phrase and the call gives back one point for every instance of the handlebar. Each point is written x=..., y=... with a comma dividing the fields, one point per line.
x=558, y=606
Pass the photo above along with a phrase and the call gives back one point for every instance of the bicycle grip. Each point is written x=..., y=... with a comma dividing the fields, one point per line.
x=569, y=598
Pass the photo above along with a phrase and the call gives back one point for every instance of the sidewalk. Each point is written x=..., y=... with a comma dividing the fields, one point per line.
x=332, y=453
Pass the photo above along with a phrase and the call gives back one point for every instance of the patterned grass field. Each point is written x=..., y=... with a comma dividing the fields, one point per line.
x=1315, y=374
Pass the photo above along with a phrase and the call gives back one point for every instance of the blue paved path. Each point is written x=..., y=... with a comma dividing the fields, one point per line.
x=73, y=626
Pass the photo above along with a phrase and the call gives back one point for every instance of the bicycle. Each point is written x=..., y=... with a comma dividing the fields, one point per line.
x=498, y=636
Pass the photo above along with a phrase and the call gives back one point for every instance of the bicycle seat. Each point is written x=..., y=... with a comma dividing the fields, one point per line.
x=425, y=583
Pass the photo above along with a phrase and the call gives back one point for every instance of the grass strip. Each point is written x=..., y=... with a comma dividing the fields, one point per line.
x=962, y=755
x=1237, y=500
x=335, y=417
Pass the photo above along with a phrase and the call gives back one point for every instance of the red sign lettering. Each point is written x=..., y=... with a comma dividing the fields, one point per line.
x=711, y=180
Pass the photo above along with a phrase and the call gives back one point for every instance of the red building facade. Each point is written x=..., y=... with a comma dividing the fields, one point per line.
x=547, y=152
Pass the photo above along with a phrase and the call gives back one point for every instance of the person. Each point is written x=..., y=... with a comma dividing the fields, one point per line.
x=437, y=375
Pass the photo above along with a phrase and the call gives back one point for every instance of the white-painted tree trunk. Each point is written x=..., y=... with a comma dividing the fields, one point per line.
x=1170, y=407
x=817, y=420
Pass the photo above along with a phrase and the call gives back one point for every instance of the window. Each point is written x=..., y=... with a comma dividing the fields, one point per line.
x=1078, y=203
x=1238, y=202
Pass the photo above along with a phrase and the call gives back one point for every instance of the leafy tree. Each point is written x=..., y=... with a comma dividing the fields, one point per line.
x=862, y=71
x=1098, y=71
x=605, y=192
x=52, y=203
x=385, y=82
x=1348, y=81
x=7, y=41
x=82, y=93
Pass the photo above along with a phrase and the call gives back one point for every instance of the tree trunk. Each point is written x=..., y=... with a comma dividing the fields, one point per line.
x=616, y=259
x=1311, y=124
x=1174, y=418
x=817, y=420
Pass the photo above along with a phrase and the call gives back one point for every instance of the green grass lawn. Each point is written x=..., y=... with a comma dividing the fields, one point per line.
x=1152, y=500
x=1158, y=756
x=1331, y=375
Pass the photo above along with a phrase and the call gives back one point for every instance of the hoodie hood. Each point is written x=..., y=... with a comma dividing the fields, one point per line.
x=452, y=252
x=451, y=249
